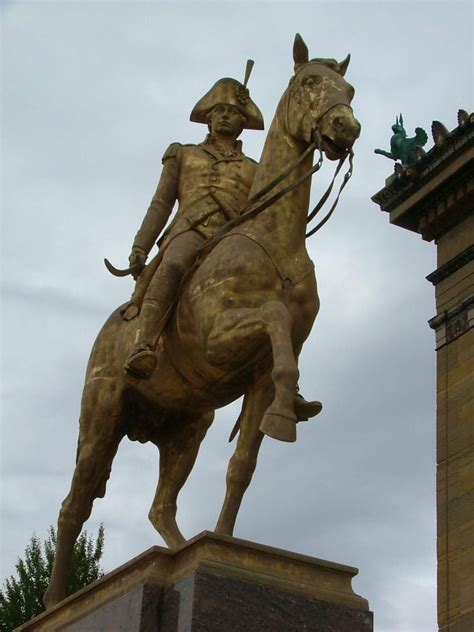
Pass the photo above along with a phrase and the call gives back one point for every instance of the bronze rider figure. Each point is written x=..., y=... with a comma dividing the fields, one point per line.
x=211, y=182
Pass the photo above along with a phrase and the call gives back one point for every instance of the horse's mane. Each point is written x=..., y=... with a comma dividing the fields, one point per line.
x=329, y=62
x=326, y=61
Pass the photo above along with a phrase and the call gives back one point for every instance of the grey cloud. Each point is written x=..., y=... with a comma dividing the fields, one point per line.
x=93, y=96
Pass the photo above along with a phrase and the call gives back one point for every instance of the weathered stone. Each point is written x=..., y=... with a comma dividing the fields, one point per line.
x=211, y=603
x=214, y=583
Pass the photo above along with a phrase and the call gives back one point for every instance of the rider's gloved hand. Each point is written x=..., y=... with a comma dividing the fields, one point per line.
x=137, y=258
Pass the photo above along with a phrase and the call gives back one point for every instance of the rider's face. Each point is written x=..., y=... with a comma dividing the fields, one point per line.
x=226, y=120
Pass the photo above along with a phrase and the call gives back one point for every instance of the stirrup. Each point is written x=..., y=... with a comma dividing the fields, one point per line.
x=141, y=363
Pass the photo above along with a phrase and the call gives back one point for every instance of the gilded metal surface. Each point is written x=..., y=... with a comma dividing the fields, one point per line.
x=238, y=329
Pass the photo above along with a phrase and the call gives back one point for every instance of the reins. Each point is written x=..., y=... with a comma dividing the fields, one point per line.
x=249, y=212
x=322, y=201
x=252, y=212
x=271, y=185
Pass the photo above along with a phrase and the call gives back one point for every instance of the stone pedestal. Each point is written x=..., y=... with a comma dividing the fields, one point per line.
x=215, y=584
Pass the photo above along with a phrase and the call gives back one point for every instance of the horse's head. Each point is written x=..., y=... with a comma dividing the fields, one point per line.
x=318, y=103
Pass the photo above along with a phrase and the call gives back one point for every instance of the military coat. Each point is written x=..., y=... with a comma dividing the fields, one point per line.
x=207, y=185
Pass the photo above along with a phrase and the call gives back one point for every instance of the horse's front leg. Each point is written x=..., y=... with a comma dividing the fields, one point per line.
x=237, y=334
x=279, y=420
x=244, y=460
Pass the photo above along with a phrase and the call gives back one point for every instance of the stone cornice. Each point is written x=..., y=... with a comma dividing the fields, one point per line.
x=437, y=192
x=454, y=264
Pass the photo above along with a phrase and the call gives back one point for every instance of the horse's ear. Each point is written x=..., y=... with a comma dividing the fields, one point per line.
x=300, y=51
x=343, y=65
x=401, y=119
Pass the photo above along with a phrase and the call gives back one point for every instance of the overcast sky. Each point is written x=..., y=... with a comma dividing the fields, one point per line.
x=93, y=93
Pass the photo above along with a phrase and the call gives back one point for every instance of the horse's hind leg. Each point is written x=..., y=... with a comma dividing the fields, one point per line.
x=179, y=444
x=244, y=460
x=99, y=437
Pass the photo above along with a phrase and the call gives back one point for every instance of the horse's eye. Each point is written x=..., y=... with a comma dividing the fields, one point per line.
x=312, y=82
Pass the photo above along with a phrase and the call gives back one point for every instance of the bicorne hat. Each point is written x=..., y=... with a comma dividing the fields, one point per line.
x=229, y=92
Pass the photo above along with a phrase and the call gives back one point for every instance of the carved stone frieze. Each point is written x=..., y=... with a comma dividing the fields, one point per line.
x=452, y=323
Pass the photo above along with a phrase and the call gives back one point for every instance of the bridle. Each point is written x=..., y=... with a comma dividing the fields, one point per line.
x=255, y=204
x=258, y=202
x=315, y=144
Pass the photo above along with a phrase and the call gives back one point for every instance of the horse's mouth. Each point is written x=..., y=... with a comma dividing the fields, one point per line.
x=333, y=150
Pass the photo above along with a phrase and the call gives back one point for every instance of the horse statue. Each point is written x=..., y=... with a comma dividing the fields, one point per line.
x=238, y=328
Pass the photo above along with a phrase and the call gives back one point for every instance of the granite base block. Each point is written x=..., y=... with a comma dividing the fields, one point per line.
x=136, y=611
x=204, y=602
x=215, y=584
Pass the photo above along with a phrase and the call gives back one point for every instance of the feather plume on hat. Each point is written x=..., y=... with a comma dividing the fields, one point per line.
x=230, y=92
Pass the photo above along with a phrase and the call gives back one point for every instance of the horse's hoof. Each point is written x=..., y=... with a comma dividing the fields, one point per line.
x=164, y=521
x=279, y=427
x=222, y=529
x=51, y=598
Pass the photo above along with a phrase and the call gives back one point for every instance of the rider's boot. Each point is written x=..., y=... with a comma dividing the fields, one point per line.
x=304, y=410
x=153, y=317
x=142, y=361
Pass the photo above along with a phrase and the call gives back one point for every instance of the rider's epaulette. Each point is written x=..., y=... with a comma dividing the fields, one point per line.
x=172, y=151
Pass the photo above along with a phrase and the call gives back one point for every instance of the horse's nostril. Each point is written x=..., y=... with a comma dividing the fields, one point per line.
x=338, y=122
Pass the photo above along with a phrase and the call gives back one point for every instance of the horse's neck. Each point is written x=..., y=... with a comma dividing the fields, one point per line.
x=285, y=221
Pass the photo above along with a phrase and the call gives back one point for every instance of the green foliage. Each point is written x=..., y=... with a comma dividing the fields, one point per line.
x=21, y=597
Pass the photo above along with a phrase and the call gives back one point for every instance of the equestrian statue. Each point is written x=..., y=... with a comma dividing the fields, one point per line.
x=222, y=311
